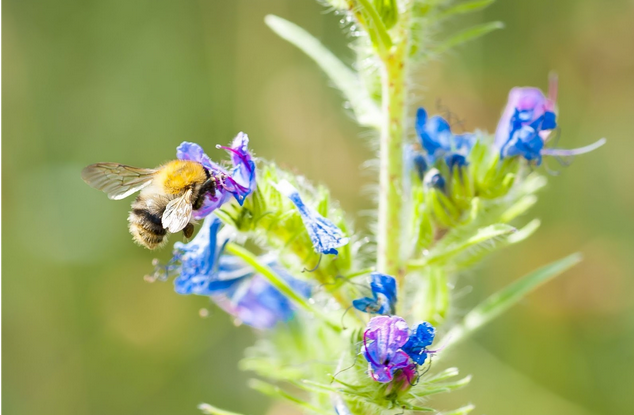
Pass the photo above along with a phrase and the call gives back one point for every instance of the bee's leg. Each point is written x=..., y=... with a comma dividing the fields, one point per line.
x=188, y=230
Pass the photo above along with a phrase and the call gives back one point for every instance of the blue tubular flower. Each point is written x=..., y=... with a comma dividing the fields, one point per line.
x=324, y=234
x=239, y=183
x=254, y=301
x=420, y=338
x=439, y=142
x=526, y=124
x=199, y=261
x=235, y=286
x=383, y=299
x=382, y=341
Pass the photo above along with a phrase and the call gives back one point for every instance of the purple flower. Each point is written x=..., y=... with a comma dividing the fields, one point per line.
x=255, y=302
x=420, y=338
x=526, y=125
x=324, y=234
x=524, y=107
x=439, y=142
x=239, y=182
x=383, y=300
x=204, y=269
x=382, y=342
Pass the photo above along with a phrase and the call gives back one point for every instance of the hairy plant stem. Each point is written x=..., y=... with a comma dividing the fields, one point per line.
x=389, y=255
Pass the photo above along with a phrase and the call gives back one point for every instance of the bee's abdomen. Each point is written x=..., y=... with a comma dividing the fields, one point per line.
x=146, y=226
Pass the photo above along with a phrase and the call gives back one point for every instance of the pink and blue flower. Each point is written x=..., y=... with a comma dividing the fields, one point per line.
x=238, y=182
x=393, y=352
x=527, y=123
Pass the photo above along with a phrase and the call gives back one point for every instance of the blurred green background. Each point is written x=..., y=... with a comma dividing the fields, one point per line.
x=127, y=81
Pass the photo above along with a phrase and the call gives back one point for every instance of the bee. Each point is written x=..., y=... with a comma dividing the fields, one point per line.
x=168, y=195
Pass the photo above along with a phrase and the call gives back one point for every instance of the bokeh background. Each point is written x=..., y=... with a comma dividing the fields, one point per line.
x=120, y=80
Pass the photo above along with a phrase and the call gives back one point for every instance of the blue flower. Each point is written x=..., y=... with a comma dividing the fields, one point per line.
x=383, y=300
x=204, y=269
x=324, y=234
x=239, y=182
x=433, y=179
x=382, y=342
x=420, y=338
x=254, y=301
x=527, y=123
x=439, y=142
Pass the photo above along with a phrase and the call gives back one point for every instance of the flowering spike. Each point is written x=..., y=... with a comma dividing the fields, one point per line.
x=383, y=300
x=324, y=234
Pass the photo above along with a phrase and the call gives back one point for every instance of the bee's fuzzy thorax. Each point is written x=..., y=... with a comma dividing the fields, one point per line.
x=176, y=176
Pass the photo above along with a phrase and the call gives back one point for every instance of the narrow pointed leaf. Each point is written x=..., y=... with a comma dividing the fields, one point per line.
x=276, y=392
x=468, y=35
x=444, y=253
x=466, y=7
x=375, y=27
x=344, y=78
x=473, y=256
x=212, y=410
x=460, y=411
x=507, y=297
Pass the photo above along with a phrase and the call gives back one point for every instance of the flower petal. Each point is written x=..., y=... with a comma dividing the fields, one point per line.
x=420, y=338
x=324, y=234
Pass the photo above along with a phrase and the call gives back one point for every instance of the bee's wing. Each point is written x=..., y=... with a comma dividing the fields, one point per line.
x=117, y=180
x=178, y=213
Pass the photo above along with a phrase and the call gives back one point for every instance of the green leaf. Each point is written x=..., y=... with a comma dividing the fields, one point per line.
x=443, y=387
x=276, y=392
x=472, y=256
x=373, y=24
x=212, y=410
x=519, y=208
x=278, y=282
x=507, y=297
x=441, y=254
x=460, y=411
x=445, y=374
x=468, y=35
x=344, y=78
x=466, y=7
x=388, y=10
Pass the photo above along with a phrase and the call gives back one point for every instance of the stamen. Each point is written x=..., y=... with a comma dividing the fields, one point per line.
x=574, y=151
